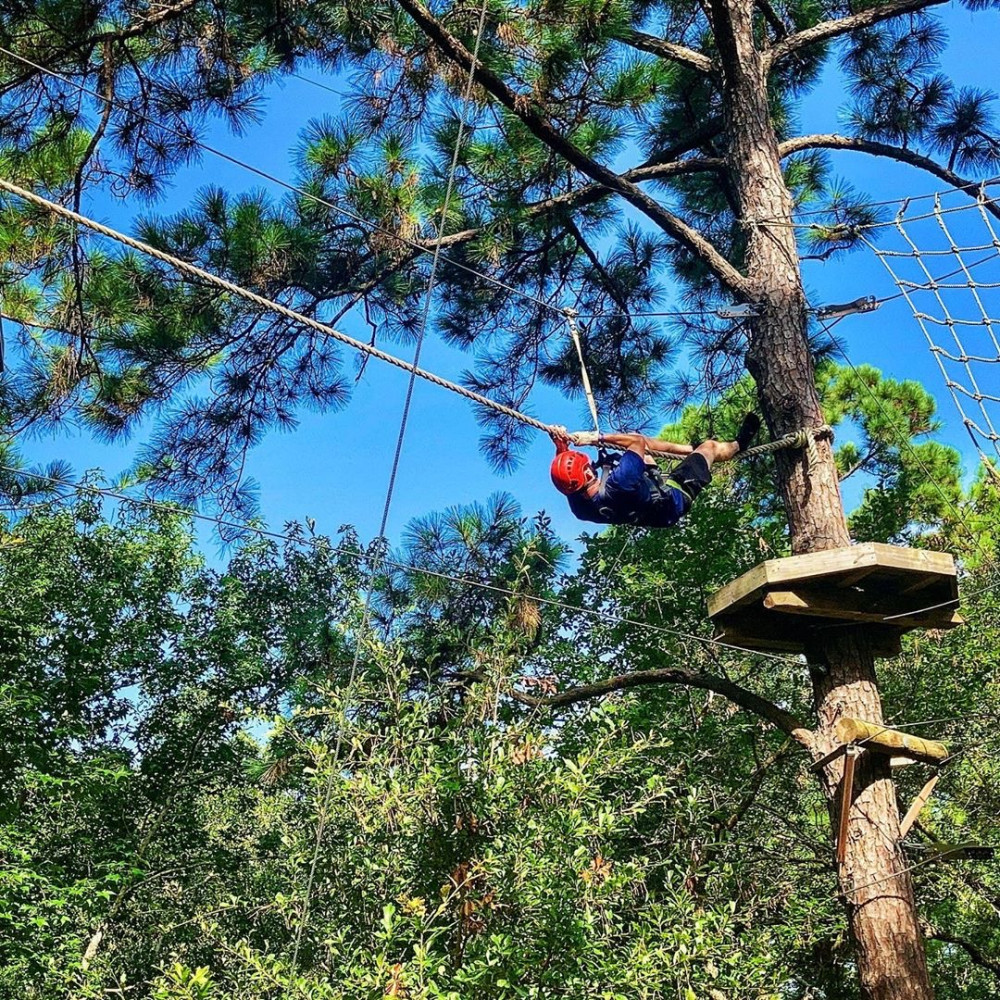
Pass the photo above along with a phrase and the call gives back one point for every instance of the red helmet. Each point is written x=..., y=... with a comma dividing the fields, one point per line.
x=571, y=471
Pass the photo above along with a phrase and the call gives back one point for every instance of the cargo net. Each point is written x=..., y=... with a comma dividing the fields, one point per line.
x=946, y=264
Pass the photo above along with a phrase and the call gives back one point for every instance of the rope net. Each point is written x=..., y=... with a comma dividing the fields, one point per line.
x=945, y=261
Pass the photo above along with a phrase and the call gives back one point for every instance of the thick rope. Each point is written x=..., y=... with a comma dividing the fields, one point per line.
x=797, y=439
x=800, y=439
x=574, y=332
x=269, y=304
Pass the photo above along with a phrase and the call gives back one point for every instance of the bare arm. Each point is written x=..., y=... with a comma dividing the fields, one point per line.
x=640, y=444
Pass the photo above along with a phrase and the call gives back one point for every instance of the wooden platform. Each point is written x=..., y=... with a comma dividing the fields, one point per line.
x=780, y=604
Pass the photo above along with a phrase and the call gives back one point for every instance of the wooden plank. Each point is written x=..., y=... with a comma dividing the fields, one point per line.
x=768, y=640
x=776, y=571
x=830, y=561
x=919, y=584
x=837, y=751
x=920, y=560
x=846, y=790
x=738, y=591
x=852, y=578
x=746, y=640
x=880, y=739
x=918, y=803
x=855, y=608
x=847, y=565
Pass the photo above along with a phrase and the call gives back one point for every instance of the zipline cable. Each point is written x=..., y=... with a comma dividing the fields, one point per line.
x=390, y=490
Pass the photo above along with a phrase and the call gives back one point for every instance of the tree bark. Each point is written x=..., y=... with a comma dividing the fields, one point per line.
x=881, y=909
x=877, y=888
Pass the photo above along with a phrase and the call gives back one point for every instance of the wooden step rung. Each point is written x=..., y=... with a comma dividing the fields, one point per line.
x=891, y=742
x=918, y=803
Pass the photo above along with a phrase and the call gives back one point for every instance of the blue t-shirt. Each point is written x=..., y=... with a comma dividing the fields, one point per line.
x=628, y=497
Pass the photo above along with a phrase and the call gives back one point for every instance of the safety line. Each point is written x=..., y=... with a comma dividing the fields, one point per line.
x=574, y=332
x=866, y=226
x=317, y=83
x=159, y=505
x=989, y=182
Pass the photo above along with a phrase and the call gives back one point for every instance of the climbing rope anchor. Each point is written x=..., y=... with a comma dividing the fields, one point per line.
x=805, y=438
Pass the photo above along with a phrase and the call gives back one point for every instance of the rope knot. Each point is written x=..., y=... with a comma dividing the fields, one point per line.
x=804, y=438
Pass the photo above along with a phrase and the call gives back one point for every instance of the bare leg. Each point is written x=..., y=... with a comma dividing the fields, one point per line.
x=723, y=451
x=717, y=451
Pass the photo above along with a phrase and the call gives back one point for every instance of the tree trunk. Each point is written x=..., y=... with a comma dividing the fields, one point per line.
x=889, y=946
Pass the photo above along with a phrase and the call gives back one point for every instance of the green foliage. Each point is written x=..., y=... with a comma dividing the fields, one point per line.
x=215, y=787
x=917, y=483
x=213, y=783
x=116, y=341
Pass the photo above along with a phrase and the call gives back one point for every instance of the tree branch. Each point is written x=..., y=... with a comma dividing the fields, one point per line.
x=669, y=50
x=741, y=696
x=771, y=16
x=754, y=786
x=524, y=108
x=873, y=148
x=651, y=170
x=605, y=279
x=972, y=950
x=826, y=30
x=87, y=45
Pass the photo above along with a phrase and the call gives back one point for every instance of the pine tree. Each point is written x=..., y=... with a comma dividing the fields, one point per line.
x=568, y=84
x=614, y=147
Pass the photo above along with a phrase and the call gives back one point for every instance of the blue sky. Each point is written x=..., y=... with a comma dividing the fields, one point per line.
x=335, y=467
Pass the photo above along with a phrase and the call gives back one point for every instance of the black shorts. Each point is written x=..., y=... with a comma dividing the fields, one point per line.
x=692, y=475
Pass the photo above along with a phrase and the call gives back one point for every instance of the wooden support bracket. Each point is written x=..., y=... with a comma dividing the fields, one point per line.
x=820, y=604
x=846, y=791
x=837, y=751
x=918, y=803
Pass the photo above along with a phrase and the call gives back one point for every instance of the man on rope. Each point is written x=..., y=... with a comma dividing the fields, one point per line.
x=633, y=492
